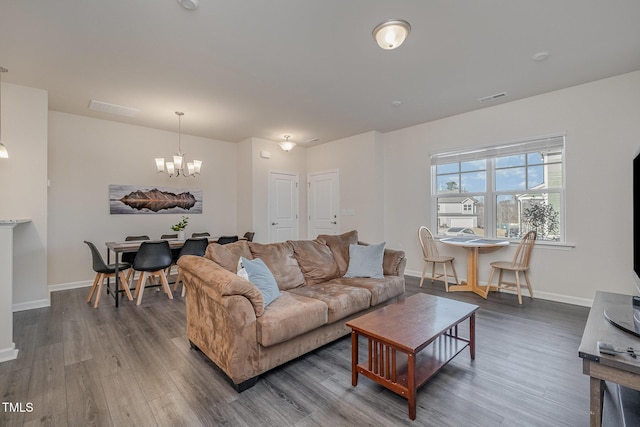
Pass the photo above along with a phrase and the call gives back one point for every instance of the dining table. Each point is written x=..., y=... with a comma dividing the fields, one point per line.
x=133, y=246
x=473, y=246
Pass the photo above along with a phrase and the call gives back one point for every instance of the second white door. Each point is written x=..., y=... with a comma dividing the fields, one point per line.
x=324, y=203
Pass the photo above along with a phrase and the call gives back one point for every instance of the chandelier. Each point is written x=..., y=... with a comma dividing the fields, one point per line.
x=179, y=166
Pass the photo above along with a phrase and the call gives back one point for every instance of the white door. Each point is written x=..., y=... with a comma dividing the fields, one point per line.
x=324, y=203
x=283, y=206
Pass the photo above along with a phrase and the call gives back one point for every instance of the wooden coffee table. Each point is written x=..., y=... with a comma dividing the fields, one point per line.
x=410, y=341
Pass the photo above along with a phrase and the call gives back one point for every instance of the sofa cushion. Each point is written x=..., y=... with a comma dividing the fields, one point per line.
x=381, y=289
x=339, y=246
x=280, y=260
x=365, y=261
x=341, y=300
x=259, y=275
x=289, y=316
x=315, y=260
x=227, y=256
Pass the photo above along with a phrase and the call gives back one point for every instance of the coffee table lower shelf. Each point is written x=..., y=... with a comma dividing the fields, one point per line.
x=427, y=363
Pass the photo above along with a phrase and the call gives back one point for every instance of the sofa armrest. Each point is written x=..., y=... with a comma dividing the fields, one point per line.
x=221, y=317
x=219, y=281
x=393, y=263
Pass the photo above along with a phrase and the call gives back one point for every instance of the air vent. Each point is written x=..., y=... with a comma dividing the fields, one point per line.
x=105, y=107
x=492, y=97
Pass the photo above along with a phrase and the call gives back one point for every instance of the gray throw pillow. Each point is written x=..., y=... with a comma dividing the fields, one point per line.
x=365, y=261
x=260, y=275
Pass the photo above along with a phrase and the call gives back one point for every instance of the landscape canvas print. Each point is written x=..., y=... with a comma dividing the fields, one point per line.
x=130, y=199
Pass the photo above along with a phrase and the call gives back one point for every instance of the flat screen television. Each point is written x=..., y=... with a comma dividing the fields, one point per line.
x=636, y=221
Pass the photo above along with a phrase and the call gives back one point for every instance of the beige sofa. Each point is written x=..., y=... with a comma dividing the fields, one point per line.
x=227, y=320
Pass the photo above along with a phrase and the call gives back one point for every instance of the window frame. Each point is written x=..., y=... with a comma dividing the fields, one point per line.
x=490, y=195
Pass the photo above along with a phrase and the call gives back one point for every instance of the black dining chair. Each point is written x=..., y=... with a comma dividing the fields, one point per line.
x=128, y=257
x=104, y=271
x=191, y=247
x=223, y=240
x=152, y=259
x=204, y=234
x=174, y=252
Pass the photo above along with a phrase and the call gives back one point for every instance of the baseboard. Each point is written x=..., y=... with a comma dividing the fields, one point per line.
x=550, y=296
x=10, y=353
x=30, y=305
x=70, y=285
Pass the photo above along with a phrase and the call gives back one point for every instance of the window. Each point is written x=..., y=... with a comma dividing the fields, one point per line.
x=501, y=191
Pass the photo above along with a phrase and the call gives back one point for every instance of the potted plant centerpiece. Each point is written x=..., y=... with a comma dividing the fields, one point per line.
x=179, y=227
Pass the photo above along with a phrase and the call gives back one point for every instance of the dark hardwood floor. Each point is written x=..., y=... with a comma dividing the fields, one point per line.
x=80, y=366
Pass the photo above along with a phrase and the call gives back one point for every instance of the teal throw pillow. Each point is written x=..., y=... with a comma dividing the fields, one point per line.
x=260, y=275
x=365, y=261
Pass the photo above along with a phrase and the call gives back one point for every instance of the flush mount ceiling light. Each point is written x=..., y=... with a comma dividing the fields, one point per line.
x=176, y=168
x=391, y=34
x=189, y=4
x=4, y=154
x=287, y=145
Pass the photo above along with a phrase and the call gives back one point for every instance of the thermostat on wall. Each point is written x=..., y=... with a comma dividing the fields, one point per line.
x=265, y=154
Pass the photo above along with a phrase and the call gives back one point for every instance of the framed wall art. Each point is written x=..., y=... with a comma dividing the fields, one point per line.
x=131, y=199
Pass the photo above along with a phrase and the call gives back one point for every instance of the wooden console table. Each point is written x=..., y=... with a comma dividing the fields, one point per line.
x=622, y=369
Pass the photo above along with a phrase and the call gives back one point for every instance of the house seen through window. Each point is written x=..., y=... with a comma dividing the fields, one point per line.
x=501, y=191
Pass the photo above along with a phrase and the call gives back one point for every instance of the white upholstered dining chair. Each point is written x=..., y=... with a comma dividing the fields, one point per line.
x=431, y=255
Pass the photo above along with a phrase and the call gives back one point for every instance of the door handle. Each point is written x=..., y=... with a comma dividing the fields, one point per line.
x=274, y=223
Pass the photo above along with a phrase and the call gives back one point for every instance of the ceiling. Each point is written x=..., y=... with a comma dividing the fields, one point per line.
x=310, y=69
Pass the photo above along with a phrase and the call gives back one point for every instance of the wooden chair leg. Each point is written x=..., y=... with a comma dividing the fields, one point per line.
x=424, y=271
x=99, y=290
x=518, y=286
x=142, y=281
x=165, y=284
x=446, y=277
x=526, y=277
x=130, y=276
x=500, y=279
x=433, y=272
x=124, y=283
x=93, y=287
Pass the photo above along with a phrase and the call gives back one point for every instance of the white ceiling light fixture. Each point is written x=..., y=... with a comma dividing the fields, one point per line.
x=391, y=34
x=189, y=4
x=287, y=145
x=4, y=154
x=176, y=168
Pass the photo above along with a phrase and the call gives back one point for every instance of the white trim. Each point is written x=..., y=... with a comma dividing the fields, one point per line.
x=30, y=305
x=10, y=353
x=70, y=285
x=549, y=296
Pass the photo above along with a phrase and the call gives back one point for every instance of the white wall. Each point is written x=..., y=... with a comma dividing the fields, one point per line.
x=23, y=193
x=280, y=161
x=86, y=155
x=360, y=163
x=602, y=123
x=244, y=186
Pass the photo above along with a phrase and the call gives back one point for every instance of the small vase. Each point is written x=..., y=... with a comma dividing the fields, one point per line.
x=181, y=235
